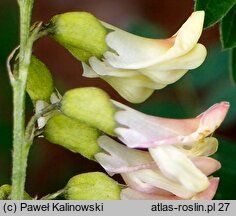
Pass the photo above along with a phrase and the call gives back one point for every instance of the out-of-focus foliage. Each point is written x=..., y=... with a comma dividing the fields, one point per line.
x=226, y=155
x=233, y=64
x=224, y=12
x=8, y=38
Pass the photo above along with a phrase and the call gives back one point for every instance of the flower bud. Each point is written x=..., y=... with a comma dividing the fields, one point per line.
x=92, y=186
x=39, y=82
x=92, y=106
x=80, y=33
x=5, y=192
x=73, y=135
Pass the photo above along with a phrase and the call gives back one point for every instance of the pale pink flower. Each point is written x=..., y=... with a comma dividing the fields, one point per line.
x=138, y=130
x=173, y=143
x=145, y=179
x=176, y=165
x=208, y=194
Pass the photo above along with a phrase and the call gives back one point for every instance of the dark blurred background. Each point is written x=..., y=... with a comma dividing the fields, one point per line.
x=51, y=166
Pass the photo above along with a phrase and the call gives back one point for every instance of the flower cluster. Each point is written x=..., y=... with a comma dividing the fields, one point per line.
x=174, y=162
x=136, y=66
x=160, y=158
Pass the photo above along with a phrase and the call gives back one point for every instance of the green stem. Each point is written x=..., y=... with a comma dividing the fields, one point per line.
x=53, y=195
x=20, y=146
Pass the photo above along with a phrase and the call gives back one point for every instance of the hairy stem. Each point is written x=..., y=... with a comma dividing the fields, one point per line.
x=53, y=195
x=20, y=146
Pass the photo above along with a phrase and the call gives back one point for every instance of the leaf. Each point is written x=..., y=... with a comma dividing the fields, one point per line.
x=214, y=9
x=228, y=29
x=233, y=64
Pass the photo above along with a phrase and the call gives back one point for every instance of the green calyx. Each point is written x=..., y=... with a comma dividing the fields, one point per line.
x=92, y=186
x=80, y=33
x=5, y=192
x=91, y=106
x=73, y=135
x=39, y=82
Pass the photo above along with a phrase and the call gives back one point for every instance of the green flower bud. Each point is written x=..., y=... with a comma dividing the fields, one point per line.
x=73, y=135
x=39, y=83
x=5, y=192
x=92, y=186
x=92, y=106
x=80, y=33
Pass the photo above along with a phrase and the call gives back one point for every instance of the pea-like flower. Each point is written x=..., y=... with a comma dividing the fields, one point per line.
x=145, y=179
x=176, y=159
x=136, y=66
x=138, y=130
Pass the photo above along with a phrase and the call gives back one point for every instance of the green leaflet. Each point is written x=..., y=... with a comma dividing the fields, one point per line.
x=214, y=9
x=228, y=29
x=233, y=64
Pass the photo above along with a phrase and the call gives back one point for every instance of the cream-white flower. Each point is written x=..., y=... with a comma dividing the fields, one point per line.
x=136, y=66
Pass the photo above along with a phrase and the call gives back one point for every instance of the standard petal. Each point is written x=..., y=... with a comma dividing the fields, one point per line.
x=135, y=52
x=186, y=37
x=144, y=131
x=175, y=165
x=210, y=120
x=141, y=130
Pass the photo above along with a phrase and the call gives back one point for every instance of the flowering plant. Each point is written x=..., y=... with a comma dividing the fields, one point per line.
x=157, y=157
